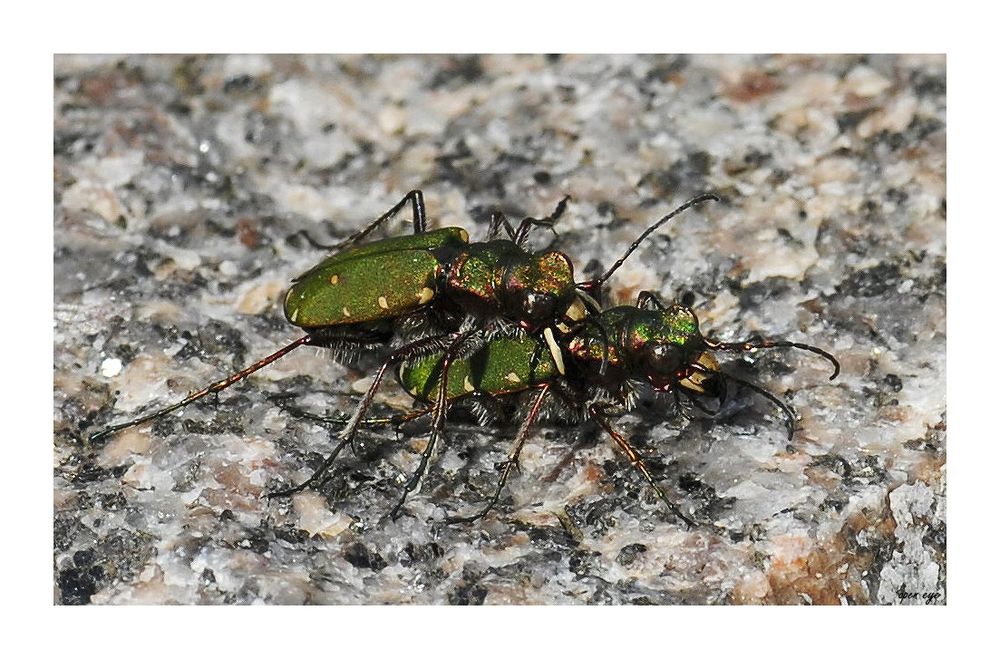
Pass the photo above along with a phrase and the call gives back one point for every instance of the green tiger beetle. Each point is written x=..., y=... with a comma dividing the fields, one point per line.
x=350, y=300
x=537, y=292
x=650, y=344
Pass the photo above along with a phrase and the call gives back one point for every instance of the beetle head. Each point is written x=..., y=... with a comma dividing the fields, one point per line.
x=665, y=343
x=540, y=290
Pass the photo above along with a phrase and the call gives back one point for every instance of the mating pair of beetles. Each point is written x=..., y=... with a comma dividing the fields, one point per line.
x=478, y=322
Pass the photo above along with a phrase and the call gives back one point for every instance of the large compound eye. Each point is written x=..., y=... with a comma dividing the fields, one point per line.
x=538, y=306
x=665, y=359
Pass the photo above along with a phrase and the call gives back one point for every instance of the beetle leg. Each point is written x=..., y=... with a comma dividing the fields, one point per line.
x=598, y=414
x=419, y=216
x=343, y=419
x=213, y=388
x=677, y=403
x=524, y=228
x=646, y=298
x=499, y=221
x=511, y=462
x=350, y=431
x=316, y=474
x=453, y=352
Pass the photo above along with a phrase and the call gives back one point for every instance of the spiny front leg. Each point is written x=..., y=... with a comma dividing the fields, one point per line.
x=597, y=413
x=419, y=217
x=440, y=412
x=348, y=434
x=512, y=456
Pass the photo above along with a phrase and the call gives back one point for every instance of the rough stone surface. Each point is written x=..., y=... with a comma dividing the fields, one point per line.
x=180, y=183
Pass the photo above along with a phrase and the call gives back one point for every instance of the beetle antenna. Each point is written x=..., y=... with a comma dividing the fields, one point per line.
x=749, y=346
x=213, y=388
x=780, y=404
x=789, y=413
x=656, y=225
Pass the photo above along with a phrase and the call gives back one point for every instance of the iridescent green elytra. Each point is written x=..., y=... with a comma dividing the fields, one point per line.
x=373, y=281
x=502, y=366
x=392, y=277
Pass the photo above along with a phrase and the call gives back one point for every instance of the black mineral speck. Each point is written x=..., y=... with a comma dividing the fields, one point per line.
x=849, y=120
x=461, y=69
x=922, y=127
x=83, y=558
x=755, y=294
x=755, y=158
x=91, y=473
x=928, y=84
x=257, y=540
x=542, y=177
x=686, y=174
x=113, y=501
x=690, y=482
x=471, y=594
x=291, y=535
x=598, y=516
x=893, y=381
x=76, y=586
x=583, y=562
x=835, y=463
x=874, y=281
x=662, y=72
x=699, y=163
x=364, y=558
x=125, y=552
x=628, y=553
x=65, y=528
x=241, y=84
x=469, y=590
x=896, y=195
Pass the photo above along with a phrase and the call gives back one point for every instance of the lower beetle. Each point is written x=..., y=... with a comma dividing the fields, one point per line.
x=650, y=344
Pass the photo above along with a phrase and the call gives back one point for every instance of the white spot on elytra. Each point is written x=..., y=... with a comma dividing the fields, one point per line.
x=512, y=377
x=382, y=302
x=347, y=313
x=425, y=295
x=295, y=314
x=467, y=384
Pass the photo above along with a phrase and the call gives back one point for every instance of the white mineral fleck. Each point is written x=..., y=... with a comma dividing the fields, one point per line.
x=111, y=367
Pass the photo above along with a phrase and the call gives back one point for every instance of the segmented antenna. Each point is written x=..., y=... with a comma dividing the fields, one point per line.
x=645, y=234
x=749, y=346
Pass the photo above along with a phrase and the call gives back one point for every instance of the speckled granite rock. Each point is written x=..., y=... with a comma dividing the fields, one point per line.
x=179, y=183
